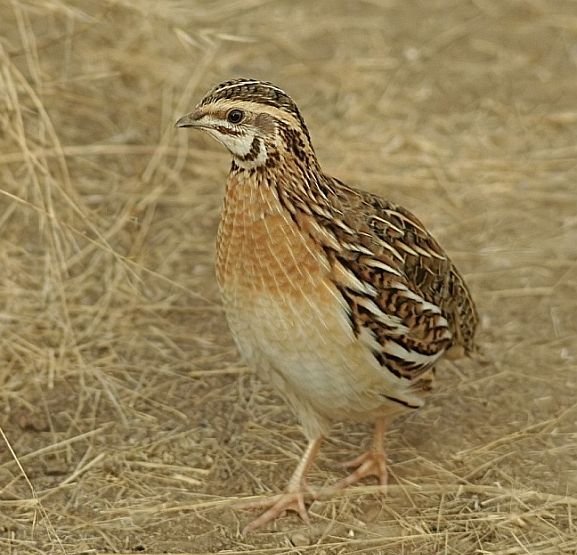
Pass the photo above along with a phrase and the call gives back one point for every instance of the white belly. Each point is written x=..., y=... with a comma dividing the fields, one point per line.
x=309, y=352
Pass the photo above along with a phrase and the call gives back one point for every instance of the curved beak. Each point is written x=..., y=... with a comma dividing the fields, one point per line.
x=190, y=120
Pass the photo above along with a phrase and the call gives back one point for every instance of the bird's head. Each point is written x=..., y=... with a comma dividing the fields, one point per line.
x=256, y=121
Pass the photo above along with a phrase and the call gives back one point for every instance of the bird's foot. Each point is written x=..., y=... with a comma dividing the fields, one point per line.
x=371, y=463
x=275, y=507
x=294, y=497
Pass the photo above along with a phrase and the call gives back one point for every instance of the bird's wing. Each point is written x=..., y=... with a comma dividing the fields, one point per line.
x=399, y=284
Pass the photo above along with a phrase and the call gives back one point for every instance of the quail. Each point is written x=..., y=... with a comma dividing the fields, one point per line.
x=342, y=299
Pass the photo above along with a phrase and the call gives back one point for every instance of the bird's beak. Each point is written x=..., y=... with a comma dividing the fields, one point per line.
x=190, y=120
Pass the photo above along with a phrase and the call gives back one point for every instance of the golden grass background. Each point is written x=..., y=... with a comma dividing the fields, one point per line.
x=128, y=422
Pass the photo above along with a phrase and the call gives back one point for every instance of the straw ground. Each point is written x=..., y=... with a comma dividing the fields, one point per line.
x=128, y=422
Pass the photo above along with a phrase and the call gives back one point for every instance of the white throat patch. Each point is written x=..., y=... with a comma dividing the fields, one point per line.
x=248, y=161
x=247, y=150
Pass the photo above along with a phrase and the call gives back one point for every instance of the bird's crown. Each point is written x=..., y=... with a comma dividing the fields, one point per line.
x=252, y=90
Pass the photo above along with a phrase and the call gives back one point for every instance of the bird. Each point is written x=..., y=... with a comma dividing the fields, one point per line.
x=342, y=299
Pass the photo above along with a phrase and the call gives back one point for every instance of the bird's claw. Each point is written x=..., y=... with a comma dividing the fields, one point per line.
x=276, y=506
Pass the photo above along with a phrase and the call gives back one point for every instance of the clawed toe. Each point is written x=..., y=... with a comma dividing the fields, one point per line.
x=370, y=463
x=294, y=497
x=367, y=464
x=277, y=505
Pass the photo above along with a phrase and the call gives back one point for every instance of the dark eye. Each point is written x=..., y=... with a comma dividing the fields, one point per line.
x=235, y=116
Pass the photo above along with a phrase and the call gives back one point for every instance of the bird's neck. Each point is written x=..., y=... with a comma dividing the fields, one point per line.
x=290, y=183
x=270, y=162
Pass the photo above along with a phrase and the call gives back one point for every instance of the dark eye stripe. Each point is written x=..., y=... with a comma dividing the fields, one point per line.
x=227, y=130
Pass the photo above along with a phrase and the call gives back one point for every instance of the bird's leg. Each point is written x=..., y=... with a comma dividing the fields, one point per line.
x=293, y=498
x=371, y=463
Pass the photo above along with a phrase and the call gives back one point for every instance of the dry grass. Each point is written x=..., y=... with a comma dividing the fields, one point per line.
x=128, y=423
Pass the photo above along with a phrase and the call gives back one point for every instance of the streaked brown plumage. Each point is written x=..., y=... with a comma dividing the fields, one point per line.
x=343, y=299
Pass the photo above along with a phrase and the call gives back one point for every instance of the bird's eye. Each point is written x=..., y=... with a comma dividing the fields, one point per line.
x=235, y=116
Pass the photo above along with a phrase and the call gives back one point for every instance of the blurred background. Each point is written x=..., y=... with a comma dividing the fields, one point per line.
x=128, y=422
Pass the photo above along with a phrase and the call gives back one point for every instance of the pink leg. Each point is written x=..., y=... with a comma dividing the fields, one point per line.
x=371, y=463
x=293, y=498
